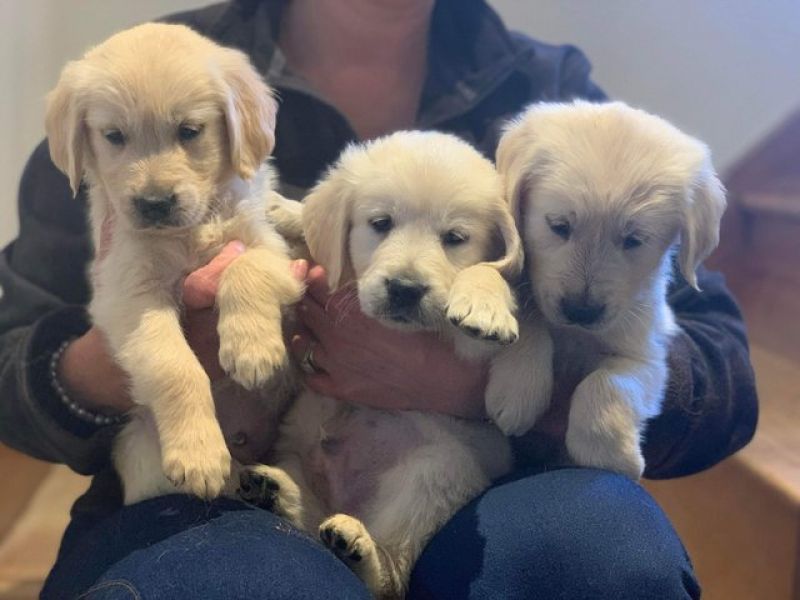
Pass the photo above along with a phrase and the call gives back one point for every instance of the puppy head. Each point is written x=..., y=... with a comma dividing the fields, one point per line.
x=602, y=193
x=159, y=118
x=402, y=215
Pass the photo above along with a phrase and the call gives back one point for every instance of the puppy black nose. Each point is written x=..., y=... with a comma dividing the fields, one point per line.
x=155, y=210
x=580, y=311
x=404, y=294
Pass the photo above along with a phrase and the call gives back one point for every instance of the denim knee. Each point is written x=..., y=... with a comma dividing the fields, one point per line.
x=566, y=534
x=177, y=547
x=111, y=590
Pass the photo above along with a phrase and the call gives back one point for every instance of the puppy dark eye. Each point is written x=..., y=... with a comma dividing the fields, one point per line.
x=115, y=137
x=187, y=133
x=454, y=238
x=381, y=224
x=561, y=228
x=631, y=241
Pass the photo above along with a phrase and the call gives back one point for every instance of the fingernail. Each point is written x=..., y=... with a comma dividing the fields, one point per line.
x=317, y=271
x=299, y=269
x=237, y=246
x=298, y=343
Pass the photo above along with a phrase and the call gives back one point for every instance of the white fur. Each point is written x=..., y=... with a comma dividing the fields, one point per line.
x=147, y=83
x=395, y=477
x=609, y=173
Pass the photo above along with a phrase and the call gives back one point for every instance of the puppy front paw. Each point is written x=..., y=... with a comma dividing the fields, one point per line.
x=199, y=463
x=481, y=305
x=590, y=450
x=515, y=403
x=602, y=431
x=521, y=380
x=286, y=216
x=251, y=349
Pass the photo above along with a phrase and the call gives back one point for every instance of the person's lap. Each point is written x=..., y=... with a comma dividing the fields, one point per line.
x=181, y=547
x=571, y=533
x=561, y=534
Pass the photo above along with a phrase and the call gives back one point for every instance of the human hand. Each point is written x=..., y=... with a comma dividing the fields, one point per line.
x=362, y=361
x=93, y=379
x=200, y=316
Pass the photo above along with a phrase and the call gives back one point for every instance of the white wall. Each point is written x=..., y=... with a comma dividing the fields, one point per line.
x=36, y=38
x=726, y=70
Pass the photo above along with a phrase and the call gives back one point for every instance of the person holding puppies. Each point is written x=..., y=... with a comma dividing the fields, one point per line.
x=350, y=70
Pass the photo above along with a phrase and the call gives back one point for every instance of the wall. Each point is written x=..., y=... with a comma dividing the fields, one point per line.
x=36, y=38
x=726, y=70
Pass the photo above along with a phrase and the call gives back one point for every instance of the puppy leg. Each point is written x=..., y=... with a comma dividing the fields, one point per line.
x=521, y=380
x=417, y=497
x=252, y=292
x=348, y=539
x=286, y=216
x=482, y=305
x=167, y=377
x=137, y=459
x=608, y=410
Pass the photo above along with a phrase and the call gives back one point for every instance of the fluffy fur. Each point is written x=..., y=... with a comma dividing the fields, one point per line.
x=169, y=131
x=603, y=194
x=420, y=211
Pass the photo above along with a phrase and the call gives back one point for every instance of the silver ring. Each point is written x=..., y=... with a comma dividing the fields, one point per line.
x=307, y=364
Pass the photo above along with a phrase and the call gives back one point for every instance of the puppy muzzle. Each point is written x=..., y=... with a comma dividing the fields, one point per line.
x=155, y=210
x=403, y=298
x=582, y=311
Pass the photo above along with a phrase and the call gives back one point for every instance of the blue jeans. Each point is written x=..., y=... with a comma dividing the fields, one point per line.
x=568, y=533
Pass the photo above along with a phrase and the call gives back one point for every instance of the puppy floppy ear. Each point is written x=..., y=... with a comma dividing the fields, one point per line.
x=250, y=112
x=512, y=258
x=514, y=153
x=702, y=213
x=65, y=127
x=326, y=225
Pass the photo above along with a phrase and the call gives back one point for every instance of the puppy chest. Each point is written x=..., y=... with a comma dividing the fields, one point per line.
x=576, y=353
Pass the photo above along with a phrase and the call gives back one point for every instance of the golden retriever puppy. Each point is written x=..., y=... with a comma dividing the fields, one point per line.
x=169, y=131
x=604, y=195
x=416, y=223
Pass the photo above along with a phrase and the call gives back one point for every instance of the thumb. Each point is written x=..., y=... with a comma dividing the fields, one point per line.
x=200, y=286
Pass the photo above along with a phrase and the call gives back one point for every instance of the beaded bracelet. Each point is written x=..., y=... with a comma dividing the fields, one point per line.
x=72, y=406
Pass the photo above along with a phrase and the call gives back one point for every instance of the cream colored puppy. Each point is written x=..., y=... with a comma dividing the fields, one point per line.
x=604, y=194
x=169, y=131
x=417, y=225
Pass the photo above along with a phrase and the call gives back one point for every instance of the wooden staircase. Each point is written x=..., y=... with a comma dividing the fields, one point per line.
x=741, y=520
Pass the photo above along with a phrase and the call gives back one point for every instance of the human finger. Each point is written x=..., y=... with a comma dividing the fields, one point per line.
x=299, y=269
x=310, y=354
x=314, y=318
x=317, y=284
x=200, y=286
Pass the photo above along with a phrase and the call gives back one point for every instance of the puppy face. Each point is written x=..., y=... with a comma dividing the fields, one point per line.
x=159, y=118
x=602, y=193
x=403, y=215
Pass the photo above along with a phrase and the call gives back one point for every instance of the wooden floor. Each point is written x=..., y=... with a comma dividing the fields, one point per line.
x=741, y=520
x=34, y=511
